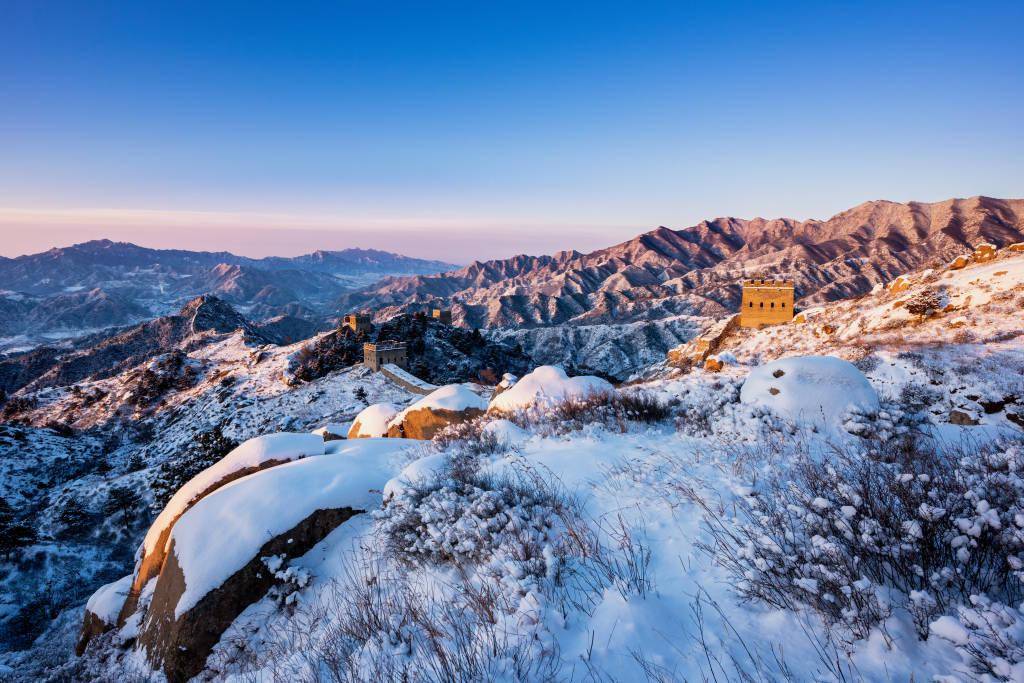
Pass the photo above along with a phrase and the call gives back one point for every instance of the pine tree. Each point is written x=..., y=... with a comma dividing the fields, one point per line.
x=360, y=394
x=14, y=534
x=123, y=501
x=73, y=518
x=208, y=448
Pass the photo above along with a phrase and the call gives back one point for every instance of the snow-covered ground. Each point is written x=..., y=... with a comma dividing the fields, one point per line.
x=586, y=533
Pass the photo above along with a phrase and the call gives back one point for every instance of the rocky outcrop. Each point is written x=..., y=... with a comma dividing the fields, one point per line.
x=179, y=645
x=372, y=421
x=427, y=422
x=253, y=456
x=448, y=405
x=224, y=551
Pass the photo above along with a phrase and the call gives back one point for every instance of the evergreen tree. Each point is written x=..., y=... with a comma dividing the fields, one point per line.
x=208, y=448
x=360, y=394
x=14, y=534
x=73, y=518
x=123, y=501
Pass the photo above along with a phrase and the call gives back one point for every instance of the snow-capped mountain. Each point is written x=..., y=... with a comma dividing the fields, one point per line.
x=697, y=270
x=66, y=291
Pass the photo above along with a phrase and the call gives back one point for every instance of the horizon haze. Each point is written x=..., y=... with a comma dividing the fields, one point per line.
x=471, y=132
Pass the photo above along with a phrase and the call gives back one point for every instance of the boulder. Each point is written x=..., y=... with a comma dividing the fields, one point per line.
x=960, y=262
x=216, y=559
x=900, y=284
x=1016, y=246
x=810, y=389
x=252, y=456
x=450, y=404
x=547, y=385
x=372, y=421
x=962, y=418
x=712, y=364
x=332, y=431
x=102, y=610
x=508, y=380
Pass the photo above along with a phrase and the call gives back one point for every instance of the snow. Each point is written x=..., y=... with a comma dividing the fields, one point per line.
x=548, y=384
x=454, y=397
x=332, y=428
x=506, y=432
x=250, y=511
x=417, y=471
x=252, y=453
x=106, y=602
x=809, y=388
x=373, y=420
x=408, y=377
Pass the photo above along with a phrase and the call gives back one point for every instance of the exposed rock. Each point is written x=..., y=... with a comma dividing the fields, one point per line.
x=963, y=418
x=223, y=553
x=179, y=646
x=250, y=457
x=101, y=611
x=713, y=365
x=450, y=404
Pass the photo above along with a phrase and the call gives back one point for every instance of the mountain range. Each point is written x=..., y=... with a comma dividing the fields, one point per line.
x=103, y=284
x=698, y=270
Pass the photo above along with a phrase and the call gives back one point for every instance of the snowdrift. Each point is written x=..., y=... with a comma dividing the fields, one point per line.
x=545, y=385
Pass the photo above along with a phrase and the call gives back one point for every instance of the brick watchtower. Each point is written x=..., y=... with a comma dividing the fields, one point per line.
x=766, y=302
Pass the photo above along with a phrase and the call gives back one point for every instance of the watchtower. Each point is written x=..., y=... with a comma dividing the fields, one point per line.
x=442, y=315
x=766, y=302
x=358, y=322
x=375, y=356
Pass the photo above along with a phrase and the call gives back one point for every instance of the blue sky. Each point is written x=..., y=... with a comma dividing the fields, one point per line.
x=465, y=130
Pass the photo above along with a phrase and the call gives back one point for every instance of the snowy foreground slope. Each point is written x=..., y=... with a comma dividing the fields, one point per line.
x=584, y=548
x=793, y=519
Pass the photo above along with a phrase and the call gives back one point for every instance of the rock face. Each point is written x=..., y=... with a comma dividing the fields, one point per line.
x=252, y=456
x=221, y=551
x=546, y=386
x=696, y=270
x=450, y=404
x=101, y=611
x=180, y=645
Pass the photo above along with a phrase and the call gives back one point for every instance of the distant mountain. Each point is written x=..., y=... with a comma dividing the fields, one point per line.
x=200, y=321
x=100, y=284
x=697, y=270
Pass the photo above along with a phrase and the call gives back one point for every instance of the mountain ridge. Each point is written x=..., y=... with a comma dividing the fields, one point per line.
x=696, y=270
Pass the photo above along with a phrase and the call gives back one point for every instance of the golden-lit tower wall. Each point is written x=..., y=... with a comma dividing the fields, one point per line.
x=766, y=302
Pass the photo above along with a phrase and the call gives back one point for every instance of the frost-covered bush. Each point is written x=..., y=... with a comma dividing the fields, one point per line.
x=462, y=520
x=847, y=534
x=614, y=410
x=290, y=580
x=989, y=637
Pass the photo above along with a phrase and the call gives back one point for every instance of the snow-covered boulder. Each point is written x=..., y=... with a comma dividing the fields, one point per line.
x=252, y=456
x=102, y=610
x=331, y=431
x=506, y=432
x=450, y=404
x=810, y=388
x=215, y=564
x=372, y=421
x=508, y=380
x=546, y=385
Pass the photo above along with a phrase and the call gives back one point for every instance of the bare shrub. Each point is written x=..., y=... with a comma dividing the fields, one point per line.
x=614, y=410
x=921, y=526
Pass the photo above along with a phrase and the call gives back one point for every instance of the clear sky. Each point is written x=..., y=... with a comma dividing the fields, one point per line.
x=484, y=129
